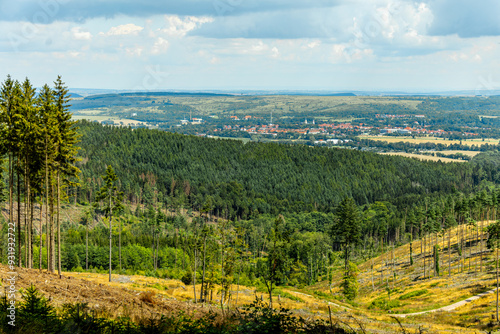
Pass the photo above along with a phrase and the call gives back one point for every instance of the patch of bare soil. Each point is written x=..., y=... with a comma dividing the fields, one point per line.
x=114, y=301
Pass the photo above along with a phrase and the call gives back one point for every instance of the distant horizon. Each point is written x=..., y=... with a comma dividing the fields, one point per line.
x=311, y=92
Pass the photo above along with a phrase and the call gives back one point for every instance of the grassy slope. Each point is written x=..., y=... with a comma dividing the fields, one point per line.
x=411, y=293
x=431, y=293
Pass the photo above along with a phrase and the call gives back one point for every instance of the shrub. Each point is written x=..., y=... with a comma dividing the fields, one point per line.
x=78, y=269
x=34, y=312
x=148, y=297
x=187, y=279
x=350, y=283
x=412, y=294
x=384, y=304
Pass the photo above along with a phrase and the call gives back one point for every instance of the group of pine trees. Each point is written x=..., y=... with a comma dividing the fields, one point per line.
x=39, y=146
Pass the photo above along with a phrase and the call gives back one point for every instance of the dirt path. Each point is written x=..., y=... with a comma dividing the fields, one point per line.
x=444, y=308
x=449, y=307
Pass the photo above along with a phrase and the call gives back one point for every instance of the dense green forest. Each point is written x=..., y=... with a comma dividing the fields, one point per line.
x=215, y=212
x=255, y=178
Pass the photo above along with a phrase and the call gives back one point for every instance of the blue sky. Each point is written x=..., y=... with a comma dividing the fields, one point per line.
x=333, y=45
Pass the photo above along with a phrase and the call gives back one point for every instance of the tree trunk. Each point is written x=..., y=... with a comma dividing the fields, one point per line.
x=470, y=247
x=477, y=247
x=481, y=248
x=435, y=255
x=194, y=276
x=497, y=281
x=120, y=244
x=373, y=285
x=462, y=245
x=32, y=213
x=19, y=259
x=47, y=222
x=424, y=254
x=238, y=282
x=87, y=247
x=52, y=228
x=271, y=295
x=58, y=225
x=41, y=235
x=394, y=275
x=11, y=189
x=449, y=252
x=157, y=248
x=110, y=234
x=203, y=274
x=27, y=245
x=458, y=242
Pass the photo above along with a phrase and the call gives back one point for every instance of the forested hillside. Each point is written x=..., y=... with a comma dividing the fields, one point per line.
x=217, y=213
x=255, y=178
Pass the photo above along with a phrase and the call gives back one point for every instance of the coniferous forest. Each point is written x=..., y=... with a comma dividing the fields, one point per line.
x=83, y=196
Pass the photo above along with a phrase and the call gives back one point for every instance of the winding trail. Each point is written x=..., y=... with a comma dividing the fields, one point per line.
x=444, y=308
x=449, y=307
x=329, y=303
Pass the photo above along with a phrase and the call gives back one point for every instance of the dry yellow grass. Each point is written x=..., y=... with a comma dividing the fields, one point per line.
x=435, y=140
x=423, y=157
x=411, y=293
x=439, y=291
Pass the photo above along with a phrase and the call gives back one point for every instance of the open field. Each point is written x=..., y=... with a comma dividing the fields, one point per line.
x=435, y=140
x=423, y=157
x=117, y=120
x=467, y=153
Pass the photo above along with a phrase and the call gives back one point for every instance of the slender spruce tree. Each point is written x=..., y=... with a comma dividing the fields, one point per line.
x=111, y=200
x=347, y=229
x=65, y=152
x=48, y=124
x=9, y=108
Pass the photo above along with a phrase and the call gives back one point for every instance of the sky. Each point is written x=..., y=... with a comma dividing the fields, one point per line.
x=329, y=45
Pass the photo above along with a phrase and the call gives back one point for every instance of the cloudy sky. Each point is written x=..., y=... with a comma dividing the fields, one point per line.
x=333, y=45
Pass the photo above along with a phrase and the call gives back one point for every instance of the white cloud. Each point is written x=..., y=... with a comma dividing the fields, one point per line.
x=66, y=55
x=79, y=34
x=275, y=53
x=344, y=53
x=313, y=44
x=258, y=48
x=134, y=51
x=160, y=46
x=178, y=27
x=384, y=43
x=125, y=29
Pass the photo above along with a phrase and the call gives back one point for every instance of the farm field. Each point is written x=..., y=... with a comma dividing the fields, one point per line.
x=117, y=120
x=423, y=156
x=435, y=140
